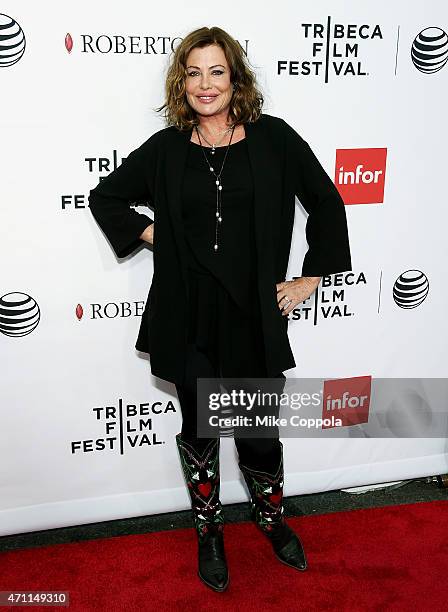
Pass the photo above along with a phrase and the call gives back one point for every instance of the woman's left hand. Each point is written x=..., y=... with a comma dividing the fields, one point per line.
x=296, y=291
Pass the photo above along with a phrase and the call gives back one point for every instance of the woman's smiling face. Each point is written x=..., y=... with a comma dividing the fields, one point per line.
x=208, y=85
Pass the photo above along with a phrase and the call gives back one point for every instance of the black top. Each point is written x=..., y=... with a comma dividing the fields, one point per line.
x=284, y=168
x=234, y=263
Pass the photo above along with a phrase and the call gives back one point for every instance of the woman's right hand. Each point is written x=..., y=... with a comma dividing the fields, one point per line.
x=148, y=234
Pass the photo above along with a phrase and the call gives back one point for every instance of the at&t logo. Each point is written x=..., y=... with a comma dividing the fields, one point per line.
x=19, y=314
x=12, y=41
x=429, y=52
x=410, y=289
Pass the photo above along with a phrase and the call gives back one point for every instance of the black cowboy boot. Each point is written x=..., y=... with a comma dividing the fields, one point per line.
x=201, y=472
x=266, y=493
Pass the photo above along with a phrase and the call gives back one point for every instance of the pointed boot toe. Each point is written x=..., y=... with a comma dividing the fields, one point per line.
x=292, y=554
x=218, y=582
x=212, y=564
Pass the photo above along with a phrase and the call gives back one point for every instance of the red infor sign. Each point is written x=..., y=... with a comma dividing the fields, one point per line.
x=360, y=174
x=347, y=399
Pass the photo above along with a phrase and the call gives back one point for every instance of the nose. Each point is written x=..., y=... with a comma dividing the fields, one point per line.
x=205, y=81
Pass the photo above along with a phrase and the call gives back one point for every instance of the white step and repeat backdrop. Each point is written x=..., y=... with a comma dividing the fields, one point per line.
x=87, y=433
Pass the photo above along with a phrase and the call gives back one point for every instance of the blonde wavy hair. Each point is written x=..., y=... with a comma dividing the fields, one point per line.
x=247, y=101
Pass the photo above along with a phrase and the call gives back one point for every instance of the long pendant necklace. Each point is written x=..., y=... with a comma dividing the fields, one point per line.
x=214, y=145
x=218, y=184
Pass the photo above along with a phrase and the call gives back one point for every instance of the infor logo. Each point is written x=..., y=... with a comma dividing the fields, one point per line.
x=360, y=175
x=348, y=399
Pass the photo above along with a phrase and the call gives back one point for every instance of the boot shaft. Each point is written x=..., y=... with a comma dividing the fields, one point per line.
x=266, y=493
x=202, y=477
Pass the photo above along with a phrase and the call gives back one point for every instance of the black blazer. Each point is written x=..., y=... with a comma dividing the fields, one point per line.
x=283, y=166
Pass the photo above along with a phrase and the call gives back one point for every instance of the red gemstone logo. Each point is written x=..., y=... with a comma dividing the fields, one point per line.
x=79, y=312
x=68, y=42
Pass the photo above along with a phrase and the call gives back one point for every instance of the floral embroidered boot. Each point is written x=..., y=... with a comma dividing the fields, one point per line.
x=201, y=472
x=266, y=493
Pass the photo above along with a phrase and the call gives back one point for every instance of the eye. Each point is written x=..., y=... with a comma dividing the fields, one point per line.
x=193, y=73
x=218, y=72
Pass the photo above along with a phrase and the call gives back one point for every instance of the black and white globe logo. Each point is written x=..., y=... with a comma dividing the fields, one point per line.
x=19, y=314
x=410, y=289
x=429, y=51
x=12, y=41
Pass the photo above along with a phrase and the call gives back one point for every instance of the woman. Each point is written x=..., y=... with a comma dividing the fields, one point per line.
x=222, y=179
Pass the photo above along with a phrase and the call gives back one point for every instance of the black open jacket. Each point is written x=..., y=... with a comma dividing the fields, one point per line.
x=283, y=166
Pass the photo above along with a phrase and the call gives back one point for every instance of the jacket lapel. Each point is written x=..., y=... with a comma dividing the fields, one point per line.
x=260, y=158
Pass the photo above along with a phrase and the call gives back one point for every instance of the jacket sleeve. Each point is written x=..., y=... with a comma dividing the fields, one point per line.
x=110, y=200
x=326, y=226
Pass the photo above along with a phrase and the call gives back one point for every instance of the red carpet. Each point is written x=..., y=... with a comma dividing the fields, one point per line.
x=393, y=558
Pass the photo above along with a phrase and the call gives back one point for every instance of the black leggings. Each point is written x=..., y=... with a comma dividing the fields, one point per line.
x=257, y=453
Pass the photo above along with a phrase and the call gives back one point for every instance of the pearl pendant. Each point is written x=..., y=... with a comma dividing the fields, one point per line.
x=220, y=219
x=216, y=247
